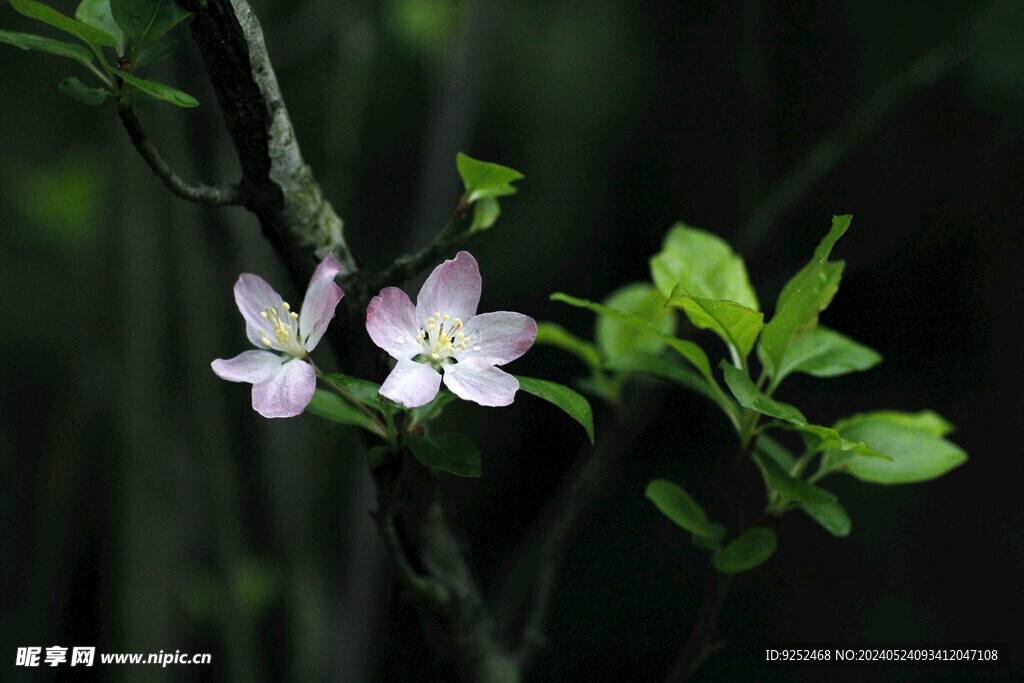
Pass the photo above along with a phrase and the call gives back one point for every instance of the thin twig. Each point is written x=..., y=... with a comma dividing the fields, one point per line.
x=583, y=487
x=826, y=154
x=701, y=644
x=409, y=265
x=212, y=195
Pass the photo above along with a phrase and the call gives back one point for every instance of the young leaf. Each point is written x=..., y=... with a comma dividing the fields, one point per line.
x=330, y=406
x=36, y=10
x=831, y=515
x=159, y=90
x=677, y=505
x=825, y=353
x=485, y=214
x=748, y=550
x=574, y=405
x=484, y=179
x=808, y=293
x=788, y=486
x=687, y=349
x=913, y=441
x=749, y=396
x=146, y=21
x=453, y=453
x=27, y=41
x=96, y=13
x=819, y=438
x=615, y=338
x=555, y=335
x=737, y=325
x=704, y=264
x=72, y=87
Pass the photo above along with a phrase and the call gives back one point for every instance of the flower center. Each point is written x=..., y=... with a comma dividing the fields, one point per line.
x=283, y=326
x=442, y=338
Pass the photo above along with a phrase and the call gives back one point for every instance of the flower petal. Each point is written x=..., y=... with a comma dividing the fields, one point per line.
x=477, y=380
x=498, y=337
x=322, y=297
x=287, y=392
x=391, y=322
x=253, y=296
x=412, y=384
x=453, y=288
x=248, y=366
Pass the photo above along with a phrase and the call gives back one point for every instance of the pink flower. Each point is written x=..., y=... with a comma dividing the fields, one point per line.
x=282, y=382
x=443, y=334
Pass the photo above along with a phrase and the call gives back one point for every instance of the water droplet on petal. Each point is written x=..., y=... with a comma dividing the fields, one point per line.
x=476, y=348
x=400, y=339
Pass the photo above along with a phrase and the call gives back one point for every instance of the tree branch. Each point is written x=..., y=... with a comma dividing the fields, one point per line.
x=279, y=188
x=432, y=564
x=213, y=195
x=701, y=643
x=826, y=154
x=277, y=184
x=409, y=265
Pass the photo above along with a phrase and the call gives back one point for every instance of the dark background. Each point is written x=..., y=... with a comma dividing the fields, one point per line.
x=147, y=508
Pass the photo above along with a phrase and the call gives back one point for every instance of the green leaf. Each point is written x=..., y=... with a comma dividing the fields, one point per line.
x=677, y=505
x=484, y=179
x=96, y=13
x=737, y=325
x=615, y=338
x=362, y=390
x=749, y=396
x=375, y=456
x=687, y=349
x=788, y=486
x=574, y=405
x=704, y=264
x=330, y=406
x=158, y=51
x=825, y=353
x=91, y=35
x=453, y=453
x=769, y=447
x=554, y=335
x=159, y=90
x=914, y=442
x=831, y=515
x=27, y=41
x=656, y=366
x=819, y=438
x=485, y=214
x=72, y=87
x=432, y=410
x=808, y=293
x=748, y=550
x=146, y=21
